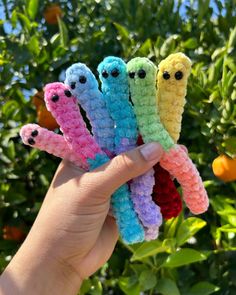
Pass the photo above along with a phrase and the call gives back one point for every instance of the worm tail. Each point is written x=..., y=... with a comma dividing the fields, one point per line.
x=177, y=162
x=148, y=212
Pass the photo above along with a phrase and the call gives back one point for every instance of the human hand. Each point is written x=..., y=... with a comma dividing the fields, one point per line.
x=73, y=234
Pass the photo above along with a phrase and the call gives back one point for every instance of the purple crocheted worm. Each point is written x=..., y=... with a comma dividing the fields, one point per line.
x=52, y=143
x=64, y=108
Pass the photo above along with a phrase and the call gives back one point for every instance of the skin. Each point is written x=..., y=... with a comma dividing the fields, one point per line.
x=172, y=79
x=77, y=236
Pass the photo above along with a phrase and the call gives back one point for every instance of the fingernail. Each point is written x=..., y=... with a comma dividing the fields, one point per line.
x=151, y=151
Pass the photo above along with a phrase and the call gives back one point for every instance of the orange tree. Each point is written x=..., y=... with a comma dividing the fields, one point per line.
x=39, y=40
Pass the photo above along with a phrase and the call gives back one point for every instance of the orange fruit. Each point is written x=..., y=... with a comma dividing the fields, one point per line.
x=45, y=118
x=224, y=168
x=13, y=233
x=51, y=13
x=37, y=99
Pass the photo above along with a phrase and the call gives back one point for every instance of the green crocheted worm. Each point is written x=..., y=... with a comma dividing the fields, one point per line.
x=142, y=81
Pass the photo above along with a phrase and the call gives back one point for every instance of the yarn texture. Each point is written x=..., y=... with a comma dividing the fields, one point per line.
x=63, y=106
x=113, y=75
x=172, y=79
x=83, y=85
x=52, y=143
x=146, y=110
x=165, y=194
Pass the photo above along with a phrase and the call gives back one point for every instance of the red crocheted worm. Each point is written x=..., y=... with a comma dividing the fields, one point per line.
x=165, y=194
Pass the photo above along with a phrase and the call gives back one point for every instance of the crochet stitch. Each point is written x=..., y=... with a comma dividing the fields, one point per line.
x=113, y=75
x=165, y=193
x=52, y=143
x=142, y=77
x=172, y=79
x=83, y=85
x=63, y=106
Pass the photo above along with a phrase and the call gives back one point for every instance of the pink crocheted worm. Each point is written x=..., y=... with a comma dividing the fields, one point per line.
x=71, y=124
x=52, y=143
x=177, y=162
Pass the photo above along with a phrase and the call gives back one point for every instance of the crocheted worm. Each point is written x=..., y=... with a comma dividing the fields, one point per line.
x=172, y=79
x=65, y=110
x=165, y=193
x=52, y=143
x=142, y=77
x=113, y=75
x=84, y=86
x=177, y=162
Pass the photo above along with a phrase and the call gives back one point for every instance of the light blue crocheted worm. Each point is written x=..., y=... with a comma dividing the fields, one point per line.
x=84, y=87
x=113, y=75
x=130, y=229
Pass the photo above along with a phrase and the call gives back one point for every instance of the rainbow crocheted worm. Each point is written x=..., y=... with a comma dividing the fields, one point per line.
x=84, y=86
x=172, y=78
x=63, y=106
x=115, y=89
x=50, y=142
x=142, y=81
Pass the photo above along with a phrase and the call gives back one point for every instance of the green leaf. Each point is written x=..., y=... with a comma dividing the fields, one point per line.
x=129, y=285
x=34, y=45
x=191, y=43
x=11, y=153
x=203, y=288
x=230, y=144
x=167, y=287
x=147, y=280
x=32, y=8
x=232, y=38
x=188, y=228
x=64, y=38
x=123, y=32
x=183, y=257
x=24, y=21
x=145, y=48
x=148, y=249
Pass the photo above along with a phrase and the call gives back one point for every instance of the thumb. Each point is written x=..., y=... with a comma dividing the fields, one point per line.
x=110, y=176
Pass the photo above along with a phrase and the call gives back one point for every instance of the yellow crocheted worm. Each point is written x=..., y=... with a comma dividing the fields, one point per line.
x=172, y=81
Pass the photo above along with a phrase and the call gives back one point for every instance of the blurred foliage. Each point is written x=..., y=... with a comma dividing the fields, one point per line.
x=193, y=255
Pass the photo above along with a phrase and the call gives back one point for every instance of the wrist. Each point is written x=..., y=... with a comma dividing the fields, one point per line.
x=33, y=271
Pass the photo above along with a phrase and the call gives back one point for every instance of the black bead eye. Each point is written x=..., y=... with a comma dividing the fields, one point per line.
x=166, y=75
x=82, y=79
x=105, y=74
x=34, y=133
x=141, y=74
x=131, y=75
x=115, y=73
x=31, y=141
x=72, y=85
x=67, y=93
x=179, y=75
x=55, y=98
